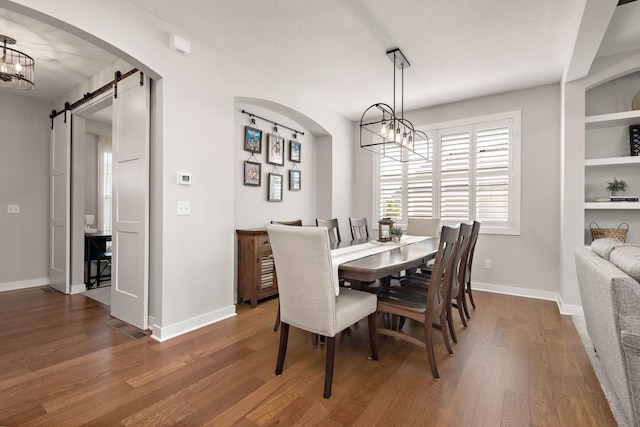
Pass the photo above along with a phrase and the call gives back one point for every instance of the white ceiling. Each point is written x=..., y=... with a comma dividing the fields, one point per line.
x=333, y=51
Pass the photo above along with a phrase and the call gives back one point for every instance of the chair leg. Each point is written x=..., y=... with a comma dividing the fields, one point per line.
x=461, y=309
x=277, y=325
x=443, y=329
x=282, y=351
x=401, y=323
x=473, y=304
x=449, y=318
x=373, y=342
x=328, y=373
x=465, y=306
x=428, y=332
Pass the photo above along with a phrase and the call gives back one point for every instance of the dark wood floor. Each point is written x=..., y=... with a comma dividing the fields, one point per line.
x=519, y=363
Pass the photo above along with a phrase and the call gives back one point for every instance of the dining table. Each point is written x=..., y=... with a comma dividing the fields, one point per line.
x=373, y=271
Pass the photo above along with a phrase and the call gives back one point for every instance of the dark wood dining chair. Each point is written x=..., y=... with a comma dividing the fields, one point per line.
x=332, y=229
x=310, y=298
x=359, y=228
x=295, y=223
x=455, y=288
x=428, y=308
x=466, y=284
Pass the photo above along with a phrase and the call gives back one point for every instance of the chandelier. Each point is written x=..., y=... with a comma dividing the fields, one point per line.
x=385, y=133
x=16, y=68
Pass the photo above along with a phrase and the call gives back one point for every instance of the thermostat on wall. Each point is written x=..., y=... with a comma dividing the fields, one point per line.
x=184, y=178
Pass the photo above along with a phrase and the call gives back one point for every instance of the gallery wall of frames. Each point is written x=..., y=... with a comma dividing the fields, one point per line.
x=269, y=150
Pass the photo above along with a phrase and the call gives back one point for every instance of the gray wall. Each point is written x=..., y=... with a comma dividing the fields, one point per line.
x=24, y=181
x=252, y=210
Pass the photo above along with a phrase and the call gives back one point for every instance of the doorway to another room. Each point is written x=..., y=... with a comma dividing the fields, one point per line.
x=98, y=248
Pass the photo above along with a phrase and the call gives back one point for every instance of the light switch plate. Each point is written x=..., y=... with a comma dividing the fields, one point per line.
x=184, y=208
x=13, y=209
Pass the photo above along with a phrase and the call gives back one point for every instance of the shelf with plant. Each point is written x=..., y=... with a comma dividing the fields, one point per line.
x=616, y=187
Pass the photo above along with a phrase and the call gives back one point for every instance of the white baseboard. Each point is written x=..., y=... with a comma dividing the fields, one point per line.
x=569, y=309
x=164, y=333
x=515, y=291
x=530, y=293
x=23, y=284
x=78, y=289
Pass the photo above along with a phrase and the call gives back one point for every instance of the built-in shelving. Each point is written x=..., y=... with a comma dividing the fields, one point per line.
x=607, y=156
x=612, y=205
x=613, y=161
x=625, y=118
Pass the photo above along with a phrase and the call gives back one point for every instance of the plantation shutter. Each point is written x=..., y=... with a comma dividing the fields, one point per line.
x=454, y=171
x=492, y=174
x=420, y=181
x=472, y=173
x=390, y=195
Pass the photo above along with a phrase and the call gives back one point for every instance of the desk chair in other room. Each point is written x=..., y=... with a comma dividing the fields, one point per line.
x=99, y=251
x=310, y=298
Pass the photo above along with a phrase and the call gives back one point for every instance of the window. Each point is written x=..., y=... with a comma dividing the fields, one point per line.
x=473, y=173
x=104, y=183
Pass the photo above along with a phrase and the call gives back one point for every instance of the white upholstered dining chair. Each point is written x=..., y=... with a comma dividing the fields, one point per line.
x=418, y=226
x=309, y=298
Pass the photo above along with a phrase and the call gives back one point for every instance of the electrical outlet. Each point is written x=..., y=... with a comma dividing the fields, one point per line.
x=13, y=209
x=487, y=264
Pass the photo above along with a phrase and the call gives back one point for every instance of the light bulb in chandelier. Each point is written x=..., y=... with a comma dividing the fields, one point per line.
x=383, y=129
x=398, y=135
x=404, y=138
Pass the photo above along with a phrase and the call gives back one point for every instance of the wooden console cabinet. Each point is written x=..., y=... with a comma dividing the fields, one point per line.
x=256, y=270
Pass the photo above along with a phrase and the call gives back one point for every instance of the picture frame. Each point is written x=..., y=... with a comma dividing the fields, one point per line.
x=294, y=151
x=274, y=193
x=295, y=180
x=252, y=173
x=252, y=140
x=275, y=150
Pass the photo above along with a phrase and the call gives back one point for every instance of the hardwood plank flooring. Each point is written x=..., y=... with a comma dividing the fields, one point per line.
x=519, y=363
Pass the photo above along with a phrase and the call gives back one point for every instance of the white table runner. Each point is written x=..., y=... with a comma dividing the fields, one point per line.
x=350, y=253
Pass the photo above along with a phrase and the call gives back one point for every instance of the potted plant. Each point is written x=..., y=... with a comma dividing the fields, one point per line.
x=616, y=187
x=396, y=234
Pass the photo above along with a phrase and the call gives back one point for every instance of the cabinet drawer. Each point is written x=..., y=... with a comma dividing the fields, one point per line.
x=263, y=242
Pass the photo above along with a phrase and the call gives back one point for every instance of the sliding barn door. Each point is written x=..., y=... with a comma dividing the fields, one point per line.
x=130, y=240
x=60, y=209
